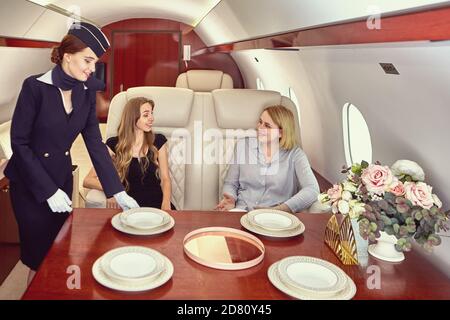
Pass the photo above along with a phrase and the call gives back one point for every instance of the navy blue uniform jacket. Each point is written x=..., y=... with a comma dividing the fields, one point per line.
x=42, y=135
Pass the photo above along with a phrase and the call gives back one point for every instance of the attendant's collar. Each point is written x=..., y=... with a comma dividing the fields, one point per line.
x=47, y=78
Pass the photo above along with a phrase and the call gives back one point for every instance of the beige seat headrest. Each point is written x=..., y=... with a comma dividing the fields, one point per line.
x=204, y=80
x=172, y=106
x=241, y=108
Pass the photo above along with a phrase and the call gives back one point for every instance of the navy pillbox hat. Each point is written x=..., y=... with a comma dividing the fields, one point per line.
x=91, y=36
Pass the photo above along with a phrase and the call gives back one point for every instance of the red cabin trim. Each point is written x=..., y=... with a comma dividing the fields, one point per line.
x=26, y=43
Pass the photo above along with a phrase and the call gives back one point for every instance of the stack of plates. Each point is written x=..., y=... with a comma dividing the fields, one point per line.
x=272, y=223
x=310, y=278
x=132, y=269
x=143, y=221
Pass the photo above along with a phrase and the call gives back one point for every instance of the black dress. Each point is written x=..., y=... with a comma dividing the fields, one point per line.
x=145, y=190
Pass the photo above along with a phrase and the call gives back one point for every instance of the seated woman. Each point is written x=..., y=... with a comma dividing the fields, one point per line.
x=140, y=157
x=275, y=173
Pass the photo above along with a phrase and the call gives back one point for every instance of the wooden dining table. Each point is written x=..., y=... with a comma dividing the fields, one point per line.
x=88, y=234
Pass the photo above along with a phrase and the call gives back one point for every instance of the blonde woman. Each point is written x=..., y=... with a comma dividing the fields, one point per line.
x=140, y=157
x=270, y=170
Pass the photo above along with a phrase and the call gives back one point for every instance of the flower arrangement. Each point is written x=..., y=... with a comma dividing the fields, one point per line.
x=395, y=200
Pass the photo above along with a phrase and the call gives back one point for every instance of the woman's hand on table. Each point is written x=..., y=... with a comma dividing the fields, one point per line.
x=112, y=203
x=227, y=203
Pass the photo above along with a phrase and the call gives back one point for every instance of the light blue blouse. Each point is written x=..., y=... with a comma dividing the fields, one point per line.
x=287, y=179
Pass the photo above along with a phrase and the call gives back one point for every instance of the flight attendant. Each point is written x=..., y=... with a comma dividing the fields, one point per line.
x=52, y=109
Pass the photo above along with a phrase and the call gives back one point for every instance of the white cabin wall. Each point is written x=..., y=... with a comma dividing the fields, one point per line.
x=17, y=17
x=407, y=114
x=235, y=20
x=23, y=19
x=17, y=64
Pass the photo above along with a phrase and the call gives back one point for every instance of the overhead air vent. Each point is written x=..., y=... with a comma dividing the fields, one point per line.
x=389, y=68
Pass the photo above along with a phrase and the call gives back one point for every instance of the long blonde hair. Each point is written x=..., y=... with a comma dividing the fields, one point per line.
x=127, y=137
x=284, y=119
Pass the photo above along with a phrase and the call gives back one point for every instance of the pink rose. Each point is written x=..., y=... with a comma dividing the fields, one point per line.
x=397, y=188
x=335, y=193
x=377, y=178
x=419, y=194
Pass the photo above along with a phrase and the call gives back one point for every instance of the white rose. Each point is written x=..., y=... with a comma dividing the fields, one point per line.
x=334, y=207
x=323, y=198
x=343, y=207
x=437, y=201
x=411, y=168
x=347, y=196
x=356, y=208
x=349, y=186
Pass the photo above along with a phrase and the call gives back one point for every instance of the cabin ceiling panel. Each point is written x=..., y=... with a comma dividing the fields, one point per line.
x=236, y=20
x=103, y=12
x=51, y=26
x=17, y=17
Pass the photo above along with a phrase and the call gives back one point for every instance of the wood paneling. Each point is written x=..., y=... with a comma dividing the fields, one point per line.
x=145, y=59
x=204, y=60
x=88, y=234
x=431, y=25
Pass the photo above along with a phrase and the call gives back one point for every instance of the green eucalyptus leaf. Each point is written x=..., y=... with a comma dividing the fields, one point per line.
x=411, y=228
x=389, y=197
x=418, y=215
x=396, y=228
x=373, y=226
x=435, y=239
x=386, y=220
x=391, y=210
x=383, y=204
x=389, y=230
x=402, y=208
x=403, y=231
x=364, y=164
x=356, y=169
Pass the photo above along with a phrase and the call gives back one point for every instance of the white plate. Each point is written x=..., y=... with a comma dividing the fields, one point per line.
x=115, y=221
x=106, y=281
x=274, y=220
x=132, y=263
x=395, y=257
x=144, y=218
x=346, y=294
x=312, y=274
x=271, y=233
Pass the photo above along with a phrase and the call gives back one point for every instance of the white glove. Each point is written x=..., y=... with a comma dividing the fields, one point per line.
x=125, y=201
x=60, y=202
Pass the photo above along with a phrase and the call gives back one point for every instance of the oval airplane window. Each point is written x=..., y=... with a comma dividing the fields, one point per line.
x=259, y=84
x=357, y=142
